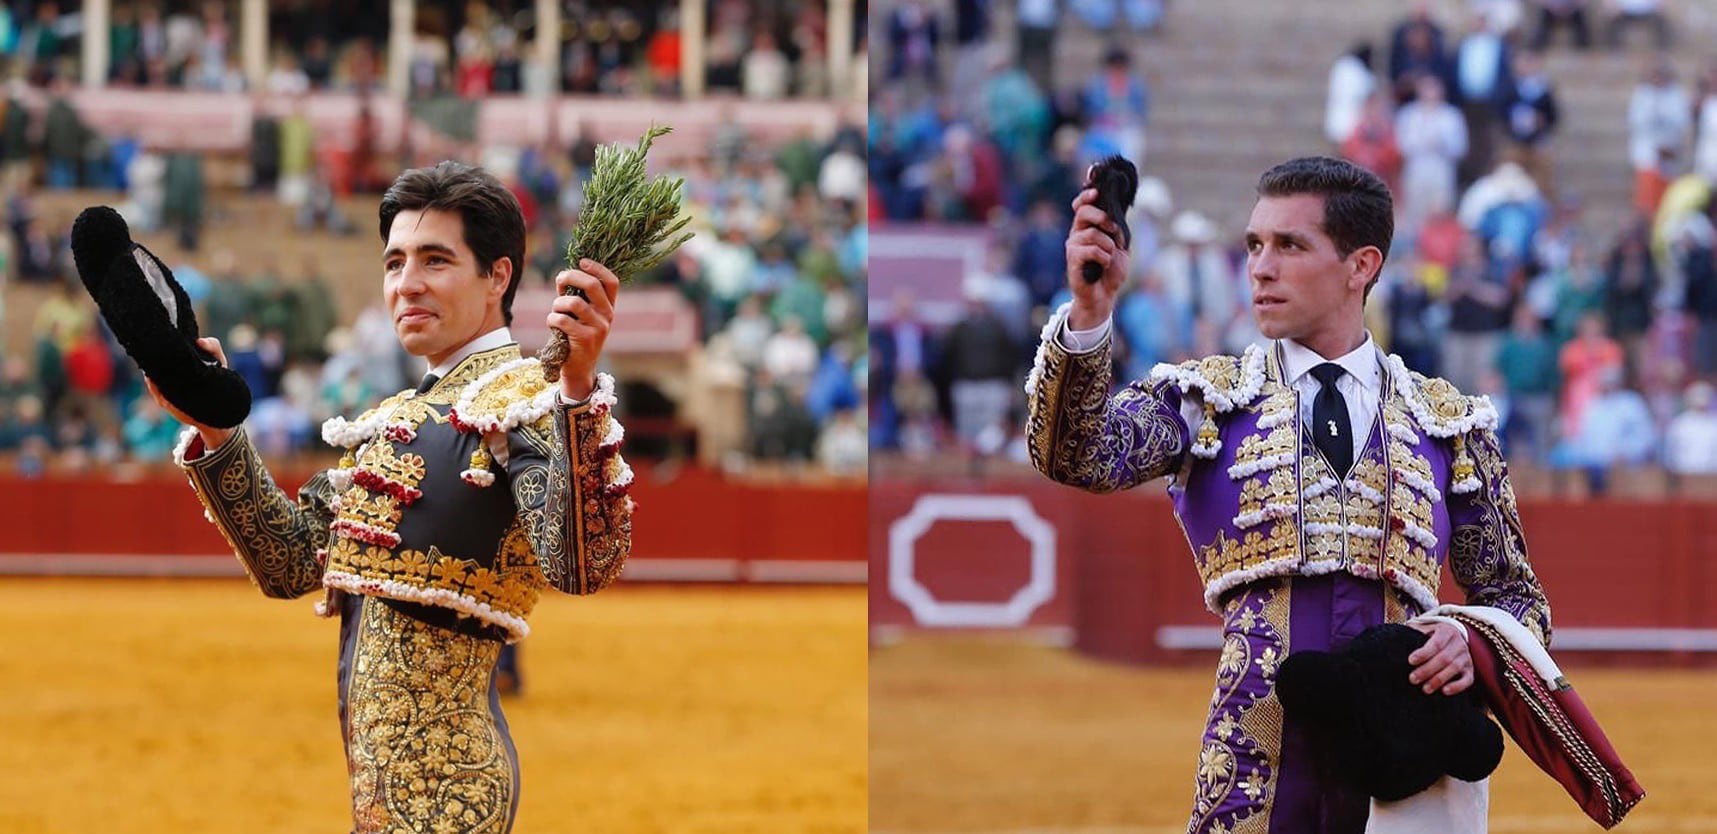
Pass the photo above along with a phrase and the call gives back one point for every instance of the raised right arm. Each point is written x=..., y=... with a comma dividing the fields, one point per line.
x=1080, y=435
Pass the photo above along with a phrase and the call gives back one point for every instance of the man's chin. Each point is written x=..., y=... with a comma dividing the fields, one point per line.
x=415, y=343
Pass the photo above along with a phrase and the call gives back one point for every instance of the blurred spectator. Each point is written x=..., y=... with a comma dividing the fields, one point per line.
x=748, y=332
x=973, y=176
x=1040, y=259
x=1700, y=274
x=1705, y=140
x=1529, y=116
x=781, y=428
x=64, y=137
x=766, y=71
x=971, y=38
x=1372, y=144
x=150, y=432
x=842, y=174
x=982, y=365
x=842, y=447
x=1558, y=13
x=900, y=345
x=1526, y=360
x=1579, y=294
x=1419, y=53
x=184, y=198
x=1151, y=331
x=1479, y=301
x=1633, y=13
x=1351, y=83
x=1584, y=361
x=1630, y=285
x=1615, y=429
x=913, y=35
x=1659, y=118
x=1690, y=444
x=790, y=356
x=1116, y=107
x=1017, y=114
x=1199, y=280
x=1433, y=139
x=1441, y=238
x=1484, y=80
x=1038, y=21
x=40, y=40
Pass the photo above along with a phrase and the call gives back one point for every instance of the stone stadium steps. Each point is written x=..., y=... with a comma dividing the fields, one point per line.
x=1239, y=85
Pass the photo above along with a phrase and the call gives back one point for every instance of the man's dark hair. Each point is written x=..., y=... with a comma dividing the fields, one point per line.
x=494, y=223
x=1358, y=210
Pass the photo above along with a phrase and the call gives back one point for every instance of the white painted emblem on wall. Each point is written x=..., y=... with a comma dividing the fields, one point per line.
x=903, y=583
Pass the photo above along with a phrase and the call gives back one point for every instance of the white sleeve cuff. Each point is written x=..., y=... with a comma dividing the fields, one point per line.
x=1082, y=341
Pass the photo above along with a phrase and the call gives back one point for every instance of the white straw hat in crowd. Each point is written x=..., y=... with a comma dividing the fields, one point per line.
x=1153, y=197
x=1192, y=227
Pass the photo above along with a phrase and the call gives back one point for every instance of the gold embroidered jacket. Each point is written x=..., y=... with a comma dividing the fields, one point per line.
x=460, y=503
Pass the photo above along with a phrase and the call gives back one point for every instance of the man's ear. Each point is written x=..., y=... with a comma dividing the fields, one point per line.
x=501, y=273
x=1363, y=266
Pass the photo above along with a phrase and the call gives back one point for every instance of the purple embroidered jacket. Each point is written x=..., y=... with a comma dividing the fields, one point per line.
x=1292, y=557
x=1255, y=497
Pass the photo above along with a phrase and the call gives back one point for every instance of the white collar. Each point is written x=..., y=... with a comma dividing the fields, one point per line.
x=1361, y=362
x=488, y=341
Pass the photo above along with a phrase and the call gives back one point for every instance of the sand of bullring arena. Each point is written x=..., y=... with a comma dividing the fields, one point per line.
x=131, y=706
x=982, y=735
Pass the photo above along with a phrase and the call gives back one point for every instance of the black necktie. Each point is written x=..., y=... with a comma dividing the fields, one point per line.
x=428, y=382
x=1330, y=425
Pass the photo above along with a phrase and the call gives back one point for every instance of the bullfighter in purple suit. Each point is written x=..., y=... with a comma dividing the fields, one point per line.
x=1322, y=485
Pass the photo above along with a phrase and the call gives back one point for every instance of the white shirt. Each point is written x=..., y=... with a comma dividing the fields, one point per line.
x=1361, y=386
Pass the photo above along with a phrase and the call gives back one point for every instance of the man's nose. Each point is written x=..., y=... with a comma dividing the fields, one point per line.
x=1261, y=267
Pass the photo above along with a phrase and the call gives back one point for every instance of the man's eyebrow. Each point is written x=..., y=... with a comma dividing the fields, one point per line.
x=1287, y=236
x=437, y=248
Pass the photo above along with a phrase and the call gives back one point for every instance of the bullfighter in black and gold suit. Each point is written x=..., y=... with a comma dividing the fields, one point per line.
x=454, y=505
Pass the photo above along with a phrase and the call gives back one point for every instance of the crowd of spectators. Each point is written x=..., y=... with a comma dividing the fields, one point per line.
x=1597, y=343
x=762, y=49
x=776, y=275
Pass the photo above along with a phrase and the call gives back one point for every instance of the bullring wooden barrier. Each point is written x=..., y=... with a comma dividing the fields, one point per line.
x=691, y=524
x=1112, y=575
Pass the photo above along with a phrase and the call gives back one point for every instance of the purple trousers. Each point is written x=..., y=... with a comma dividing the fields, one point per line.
x=1257, y=772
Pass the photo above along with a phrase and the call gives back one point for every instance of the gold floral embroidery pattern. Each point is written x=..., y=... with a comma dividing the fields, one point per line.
x=1245, y=730
x=448, y=388
x=1487, y=553
x=1079, y=436
x=274, y=538
x=426, y=753
x=1227, y=555
x=512, y=589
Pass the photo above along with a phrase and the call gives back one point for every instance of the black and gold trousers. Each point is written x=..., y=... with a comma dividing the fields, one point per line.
x=427, y=747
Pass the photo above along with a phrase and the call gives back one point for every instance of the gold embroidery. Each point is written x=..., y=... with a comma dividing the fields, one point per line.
x=1079, y=435
x=425, y=750
x=1443, y=399
x=275, y=538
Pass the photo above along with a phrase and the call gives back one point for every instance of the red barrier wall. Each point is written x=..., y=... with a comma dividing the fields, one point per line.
x=1122, y=567
x=695, y=514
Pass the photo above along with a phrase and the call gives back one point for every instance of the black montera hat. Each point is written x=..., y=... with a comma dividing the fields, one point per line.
x=152, y=318
x=1377, y=729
